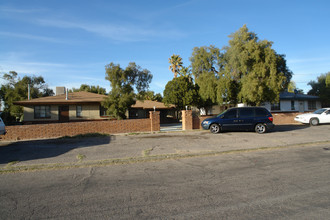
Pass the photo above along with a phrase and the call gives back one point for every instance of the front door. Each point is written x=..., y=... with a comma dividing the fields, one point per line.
x=63, y=112
x=301, y=107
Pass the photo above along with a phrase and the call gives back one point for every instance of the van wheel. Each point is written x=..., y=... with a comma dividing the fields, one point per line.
x=215, y=128
x=314, y=121
x=260, y=128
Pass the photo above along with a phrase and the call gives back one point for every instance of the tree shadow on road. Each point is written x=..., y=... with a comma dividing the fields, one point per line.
x=41, y=149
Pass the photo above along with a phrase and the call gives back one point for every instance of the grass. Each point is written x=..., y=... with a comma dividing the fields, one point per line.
x=12, y=163
x=146, y=153
x=80, y=157
x=137, y=133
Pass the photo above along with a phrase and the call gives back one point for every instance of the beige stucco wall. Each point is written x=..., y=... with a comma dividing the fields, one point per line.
x=88, y=112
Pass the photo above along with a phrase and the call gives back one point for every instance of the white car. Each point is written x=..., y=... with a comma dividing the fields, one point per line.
x=2, y=127
x=320, y=116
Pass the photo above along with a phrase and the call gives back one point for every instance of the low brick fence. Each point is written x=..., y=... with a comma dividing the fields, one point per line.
x=285, y=118
x=40, y=131
x=279, y=119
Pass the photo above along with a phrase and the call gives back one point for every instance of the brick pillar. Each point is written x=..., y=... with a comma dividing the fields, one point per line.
x=155, y=120
x=187, y=120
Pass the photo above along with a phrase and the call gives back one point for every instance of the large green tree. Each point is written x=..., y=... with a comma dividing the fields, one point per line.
x=205, y=59
x=89, y=88
x=149, y=95
x=123, y=82
x=16, y=89
x=181, y=92
x=253, y=72
x=321, y=88
x=206, y=65
x=293, y=88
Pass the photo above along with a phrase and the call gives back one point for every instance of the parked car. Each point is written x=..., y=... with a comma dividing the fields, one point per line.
x=241, y=119
x=320, y=116
x=2, y=127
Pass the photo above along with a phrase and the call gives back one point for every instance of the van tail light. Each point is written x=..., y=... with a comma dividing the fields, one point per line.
x=270, y=119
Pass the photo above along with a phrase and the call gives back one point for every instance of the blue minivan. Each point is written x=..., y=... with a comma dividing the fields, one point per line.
x=2, y=127
x=258, y=119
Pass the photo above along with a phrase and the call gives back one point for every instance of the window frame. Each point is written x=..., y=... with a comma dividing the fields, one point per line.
x=312, y=105
x=293, y=106
x=276, y=106
x=79, y=110
x=42, y=112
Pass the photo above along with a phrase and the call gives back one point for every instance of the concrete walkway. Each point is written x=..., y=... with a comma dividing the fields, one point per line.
x=139, y=146
x=171, y=127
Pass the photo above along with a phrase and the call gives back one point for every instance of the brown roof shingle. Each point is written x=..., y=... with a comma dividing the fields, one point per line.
x=148, y=104
x=87, y=98
x=73, y=98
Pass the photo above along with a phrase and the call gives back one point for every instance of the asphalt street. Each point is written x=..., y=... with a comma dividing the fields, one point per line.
x=284, y=175
x=291, y=183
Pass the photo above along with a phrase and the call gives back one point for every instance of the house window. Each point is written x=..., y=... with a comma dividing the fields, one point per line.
x=276, y=107
x=103, y=111
x=311, y=105
x=79, y=111
x=292, y=105
x=42, y=111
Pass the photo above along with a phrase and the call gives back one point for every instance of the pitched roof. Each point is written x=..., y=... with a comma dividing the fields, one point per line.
x=296, y=96
x=148, y=104
x=73, y=98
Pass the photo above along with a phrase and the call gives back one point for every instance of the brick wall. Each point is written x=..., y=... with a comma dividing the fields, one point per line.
x=285, y=118
x=198, y=120
x=155, y=121
x=279, y=119
x=39, y=131
x=187, y=120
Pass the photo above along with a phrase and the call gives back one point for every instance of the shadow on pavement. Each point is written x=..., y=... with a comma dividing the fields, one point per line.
x=41, y=149
x=284, y=128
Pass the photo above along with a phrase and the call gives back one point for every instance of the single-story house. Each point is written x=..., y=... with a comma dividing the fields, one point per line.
x=295, y=102
x=141, y=109
x=288, y=102
x=63, y=107
x=82, y=106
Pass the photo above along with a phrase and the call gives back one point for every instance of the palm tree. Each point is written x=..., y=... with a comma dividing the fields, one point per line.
x=176, y=64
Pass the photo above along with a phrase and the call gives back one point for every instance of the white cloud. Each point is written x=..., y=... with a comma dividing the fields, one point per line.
x=116, y=32
x=31, y=37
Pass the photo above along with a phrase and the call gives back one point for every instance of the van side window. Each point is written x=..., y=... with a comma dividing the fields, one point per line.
x=231, y=114
x=246, y=112
x=260, y=112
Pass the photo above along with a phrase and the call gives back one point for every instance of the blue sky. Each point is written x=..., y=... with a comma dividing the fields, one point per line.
x=70, y=42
